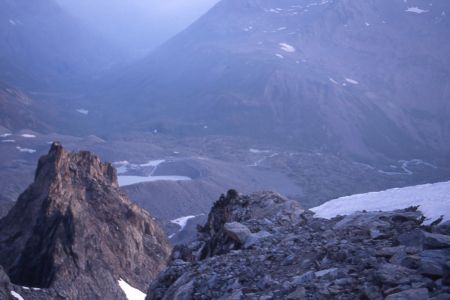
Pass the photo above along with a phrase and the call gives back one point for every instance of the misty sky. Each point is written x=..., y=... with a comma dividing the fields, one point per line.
x=137, y=26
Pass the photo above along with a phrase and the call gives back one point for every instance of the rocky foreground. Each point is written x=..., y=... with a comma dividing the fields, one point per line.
x=73, y=235
x=263, y=246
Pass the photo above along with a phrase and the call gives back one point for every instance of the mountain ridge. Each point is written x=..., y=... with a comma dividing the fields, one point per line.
x=272, y=70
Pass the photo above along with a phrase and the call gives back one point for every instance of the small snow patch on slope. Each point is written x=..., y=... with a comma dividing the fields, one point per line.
x=332, y=80
x=131, y=292
x=352, y=81
x=433, y=199
x=17, y=296
x=28, y=136
x=287, y=48
x=416, y=10
x=26, y=150
x=182, y=221
x=83, y=111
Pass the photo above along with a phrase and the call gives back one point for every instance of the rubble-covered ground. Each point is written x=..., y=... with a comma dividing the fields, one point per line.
x=263, y=246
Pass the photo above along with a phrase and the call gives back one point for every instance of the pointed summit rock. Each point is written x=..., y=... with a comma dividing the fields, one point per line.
x=73, y=232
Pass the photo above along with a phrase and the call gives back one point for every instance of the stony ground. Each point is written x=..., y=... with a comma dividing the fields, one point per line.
x=266, y=247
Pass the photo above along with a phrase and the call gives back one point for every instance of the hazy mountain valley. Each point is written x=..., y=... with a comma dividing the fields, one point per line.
x=312, y=100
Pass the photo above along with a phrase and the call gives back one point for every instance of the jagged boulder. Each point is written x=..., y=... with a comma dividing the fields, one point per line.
x=74, y=233
x=299, y=256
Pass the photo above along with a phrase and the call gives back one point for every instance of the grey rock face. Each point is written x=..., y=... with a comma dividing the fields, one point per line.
x=72, y=233
x=303, y=257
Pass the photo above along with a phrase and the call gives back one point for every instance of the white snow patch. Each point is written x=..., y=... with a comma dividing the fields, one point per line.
x=333, y=81
x=367, y=24
x=5, y=135
x=124, y=166
x=433, y=199
x=279, y=55
x=273, y=10
x=25, y=150
x=17, y=296
x=416, y=10
x=8, y=141
x=287, y=48
x=28, y=136
x=182, y=221
x=352, y=81
x=130, y=292
x=83, y=111
x=258, y=151
x=129, y=180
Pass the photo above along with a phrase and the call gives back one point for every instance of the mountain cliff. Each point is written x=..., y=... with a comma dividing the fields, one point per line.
x=74, y=234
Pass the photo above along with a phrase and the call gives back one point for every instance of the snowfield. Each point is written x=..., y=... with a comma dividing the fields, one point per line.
x=433, y=200
x=131, y=292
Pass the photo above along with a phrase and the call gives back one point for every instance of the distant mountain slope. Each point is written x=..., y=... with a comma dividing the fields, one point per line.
x=18, y=110
x=43, y=46
x=354, y=77
x=433, y=200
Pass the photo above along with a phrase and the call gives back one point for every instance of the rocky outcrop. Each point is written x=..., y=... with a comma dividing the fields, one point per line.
x=263, y=246
x=73, y=233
